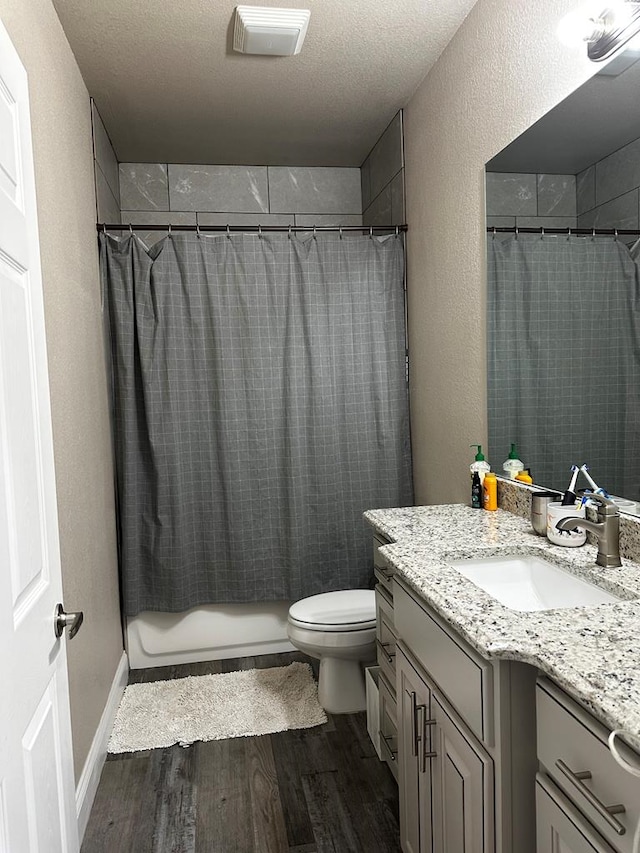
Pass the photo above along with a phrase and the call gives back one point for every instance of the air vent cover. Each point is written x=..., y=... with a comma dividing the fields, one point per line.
x=270, y=32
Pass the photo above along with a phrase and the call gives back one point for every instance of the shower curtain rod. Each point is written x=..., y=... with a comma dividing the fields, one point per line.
x=104, y=226
x=586, y=232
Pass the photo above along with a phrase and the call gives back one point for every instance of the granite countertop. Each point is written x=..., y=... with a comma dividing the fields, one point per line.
x=592, y=652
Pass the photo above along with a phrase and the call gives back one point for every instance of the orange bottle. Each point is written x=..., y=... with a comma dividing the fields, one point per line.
x=490, y=491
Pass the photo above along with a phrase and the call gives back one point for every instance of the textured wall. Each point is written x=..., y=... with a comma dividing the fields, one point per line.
x=61, y=124
x=502, y=71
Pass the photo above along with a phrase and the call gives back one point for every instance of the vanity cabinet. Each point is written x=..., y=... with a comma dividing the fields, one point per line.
x=585, y=799
x=466, y=740
x=386, y=639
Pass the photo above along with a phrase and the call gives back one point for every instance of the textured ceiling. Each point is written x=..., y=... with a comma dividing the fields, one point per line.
x=170, y=89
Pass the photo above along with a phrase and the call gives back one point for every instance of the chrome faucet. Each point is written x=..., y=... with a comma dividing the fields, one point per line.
x=606, y=530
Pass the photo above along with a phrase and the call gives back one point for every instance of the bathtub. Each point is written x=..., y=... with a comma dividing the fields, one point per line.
x=212, y=632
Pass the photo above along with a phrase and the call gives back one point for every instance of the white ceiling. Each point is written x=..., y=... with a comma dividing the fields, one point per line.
x=171, y=90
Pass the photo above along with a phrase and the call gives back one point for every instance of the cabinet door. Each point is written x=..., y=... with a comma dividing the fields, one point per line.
x=462, y=779
x=560, y=827
x=414, y=772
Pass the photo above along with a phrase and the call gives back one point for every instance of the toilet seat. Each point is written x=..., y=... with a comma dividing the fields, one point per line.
x=340, y=611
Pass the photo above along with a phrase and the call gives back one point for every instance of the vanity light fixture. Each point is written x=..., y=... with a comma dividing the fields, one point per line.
x=269, y=32
x=613, y=27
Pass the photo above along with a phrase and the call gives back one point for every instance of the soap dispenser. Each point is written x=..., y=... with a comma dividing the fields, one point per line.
x=480, y=464
x=512, y=465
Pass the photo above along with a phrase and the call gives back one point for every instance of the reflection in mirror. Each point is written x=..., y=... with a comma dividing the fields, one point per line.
x=564, y=307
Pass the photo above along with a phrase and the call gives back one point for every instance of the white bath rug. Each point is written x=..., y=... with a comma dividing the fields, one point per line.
x=213, y=707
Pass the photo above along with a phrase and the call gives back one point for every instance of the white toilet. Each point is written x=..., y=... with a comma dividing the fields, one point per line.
x=338, y=628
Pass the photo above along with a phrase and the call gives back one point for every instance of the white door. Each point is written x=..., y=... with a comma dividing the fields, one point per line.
x=37, y=801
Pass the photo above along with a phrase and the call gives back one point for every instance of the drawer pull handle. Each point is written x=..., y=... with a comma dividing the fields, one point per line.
x=383, y=648
x=387, y=574
x=384, y=742
x=606, y=812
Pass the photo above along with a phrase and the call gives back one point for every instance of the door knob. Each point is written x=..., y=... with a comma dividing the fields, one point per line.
x=62, y=620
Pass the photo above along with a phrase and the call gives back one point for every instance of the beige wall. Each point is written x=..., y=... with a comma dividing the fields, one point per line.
x=503, y=70
x=61, y=125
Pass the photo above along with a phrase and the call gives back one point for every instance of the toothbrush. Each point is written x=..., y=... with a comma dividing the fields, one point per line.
x=570, y=496
x=596, y=488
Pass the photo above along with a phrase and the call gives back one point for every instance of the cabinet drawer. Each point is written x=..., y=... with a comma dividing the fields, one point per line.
x=382, y=569
x=559, y=826
x=571, y=743
x=388, y=725
x=464, y=677
x=385, y=635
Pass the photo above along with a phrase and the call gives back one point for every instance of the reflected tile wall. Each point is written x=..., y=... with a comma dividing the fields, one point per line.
x=105, y=171
x=531, y=200
x=618, y=173
x=586, y=189
x=621, y=212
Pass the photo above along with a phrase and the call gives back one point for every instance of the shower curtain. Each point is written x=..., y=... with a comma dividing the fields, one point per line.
x=260, y=406
x=564, y=357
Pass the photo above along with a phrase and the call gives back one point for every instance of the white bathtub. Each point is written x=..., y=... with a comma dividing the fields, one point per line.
x=212, y=632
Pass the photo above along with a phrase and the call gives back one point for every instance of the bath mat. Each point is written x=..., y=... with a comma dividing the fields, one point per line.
x=214, y=707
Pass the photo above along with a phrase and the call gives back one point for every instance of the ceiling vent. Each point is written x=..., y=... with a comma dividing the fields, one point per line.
x=270, y=32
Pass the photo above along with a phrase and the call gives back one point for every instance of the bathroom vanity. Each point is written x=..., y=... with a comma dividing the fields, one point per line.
x=495, y=721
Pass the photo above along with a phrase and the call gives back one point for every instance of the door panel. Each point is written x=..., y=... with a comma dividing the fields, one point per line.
x=37, y=798
x=462, y=788
x=560, y=827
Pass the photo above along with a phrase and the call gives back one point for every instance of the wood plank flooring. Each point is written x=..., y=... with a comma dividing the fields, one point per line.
x=319, y=790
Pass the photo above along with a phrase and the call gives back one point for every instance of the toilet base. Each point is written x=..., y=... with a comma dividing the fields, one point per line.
x=341, y=687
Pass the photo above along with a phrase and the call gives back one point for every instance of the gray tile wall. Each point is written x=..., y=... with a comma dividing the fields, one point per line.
x=531, y=201
x=609, y=190
x=105, y=166
x=382, y=175
x=160, y=193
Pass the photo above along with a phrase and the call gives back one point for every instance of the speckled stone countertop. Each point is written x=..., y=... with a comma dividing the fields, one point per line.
x=592, y=652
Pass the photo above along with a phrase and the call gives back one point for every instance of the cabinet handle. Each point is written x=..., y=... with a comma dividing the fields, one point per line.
x=384, y=742
x=387, y=574
x=383, y=648
x=606, y=812
x=425, y=723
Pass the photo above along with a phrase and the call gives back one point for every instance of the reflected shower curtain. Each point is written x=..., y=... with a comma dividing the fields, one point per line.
x=260, y=406
x=564, y=357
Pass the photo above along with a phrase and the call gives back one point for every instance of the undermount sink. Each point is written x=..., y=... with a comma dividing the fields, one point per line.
x=530, y=583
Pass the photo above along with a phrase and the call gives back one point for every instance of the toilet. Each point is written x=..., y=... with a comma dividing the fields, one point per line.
x=339, y=629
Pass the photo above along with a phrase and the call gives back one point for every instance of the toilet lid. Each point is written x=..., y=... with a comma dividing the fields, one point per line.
x=345, y=610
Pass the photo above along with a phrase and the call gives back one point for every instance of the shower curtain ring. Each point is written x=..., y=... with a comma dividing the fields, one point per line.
x=397, y=232
x=568, y=233
x=315, y=236
x=228, y=233
x=197, y=227
x=542, y=233
x=131, y=229
x=494, y=233
x=260, y=232
x=289, y=232
x=169, y=230
x=340, y=232
x=593, y=233
x=516, y=231
x=615, y=234
x=371, y=232
x=104, y=228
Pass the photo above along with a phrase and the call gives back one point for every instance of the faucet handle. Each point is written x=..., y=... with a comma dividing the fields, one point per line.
x=606, y=506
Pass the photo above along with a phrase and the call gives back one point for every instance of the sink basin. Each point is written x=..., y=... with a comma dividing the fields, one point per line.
x=530, y=583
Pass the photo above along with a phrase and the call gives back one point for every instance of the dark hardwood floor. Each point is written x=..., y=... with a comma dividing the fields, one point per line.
x=319, y=790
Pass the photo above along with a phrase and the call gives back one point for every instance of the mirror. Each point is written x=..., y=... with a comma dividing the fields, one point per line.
x=564, y=309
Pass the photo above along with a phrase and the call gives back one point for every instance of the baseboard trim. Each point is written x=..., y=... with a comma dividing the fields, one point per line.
x=90, y=776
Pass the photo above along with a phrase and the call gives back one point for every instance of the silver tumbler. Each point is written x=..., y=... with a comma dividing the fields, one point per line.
x=539, y=502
